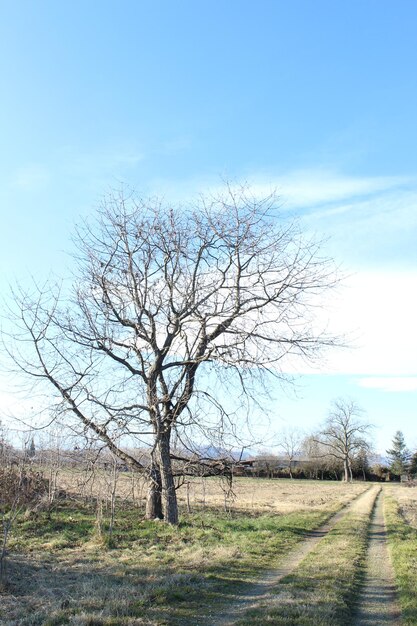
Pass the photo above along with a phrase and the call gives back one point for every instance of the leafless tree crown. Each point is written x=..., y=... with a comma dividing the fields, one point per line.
x=344, y=434
x=161, y=290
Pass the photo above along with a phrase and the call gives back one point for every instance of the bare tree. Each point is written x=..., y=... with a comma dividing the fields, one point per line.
x=291, y=443
x=165, y=302
x=344, y=434
x=317, y=462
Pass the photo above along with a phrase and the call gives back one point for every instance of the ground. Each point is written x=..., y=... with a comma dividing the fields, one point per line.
x=235, y=557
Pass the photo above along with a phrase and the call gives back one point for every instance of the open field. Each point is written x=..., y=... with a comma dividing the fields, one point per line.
x=64, y=569
x=401, y=518
x=406, y=497
x=248, y=494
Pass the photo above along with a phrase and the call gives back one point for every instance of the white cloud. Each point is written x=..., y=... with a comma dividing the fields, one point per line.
x=390, y=384
x=372, y=224
x=326, y=192
x=377, y=310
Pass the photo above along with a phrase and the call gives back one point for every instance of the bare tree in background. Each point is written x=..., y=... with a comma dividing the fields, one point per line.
x=291, y=443
x=168, y=305
x=344, y=434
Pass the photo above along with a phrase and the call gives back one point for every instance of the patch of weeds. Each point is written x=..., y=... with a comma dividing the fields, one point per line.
x=402, y=541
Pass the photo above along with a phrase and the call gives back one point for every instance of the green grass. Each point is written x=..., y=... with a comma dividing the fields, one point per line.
x=153, y=574
x=402, y=539
x=323, y=588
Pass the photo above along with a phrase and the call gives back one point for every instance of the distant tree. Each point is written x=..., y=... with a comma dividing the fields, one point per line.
x=380, y=472
x=399, y=455
x=266, y=464
x=343, y=434
x=413, y=465
x=360, y=463
x=317, y=461
x=6, y=449
x=32, y=449
x=291, y=441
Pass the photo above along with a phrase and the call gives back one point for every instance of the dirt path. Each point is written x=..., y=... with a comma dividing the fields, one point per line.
x=378, y=601
x=251, y=594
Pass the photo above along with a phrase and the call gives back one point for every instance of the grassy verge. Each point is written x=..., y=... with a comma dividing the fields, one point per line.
x=322, y=590
x=60, y=573
x=402, y=540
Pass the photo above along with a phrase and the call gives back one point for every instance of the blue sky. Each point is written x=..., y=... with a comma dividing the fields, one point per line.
x=317, y=99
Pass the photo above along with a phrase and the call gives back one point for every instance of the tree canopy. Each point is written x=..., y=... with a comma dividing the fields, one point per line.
x=343, y=435
x=399, y=455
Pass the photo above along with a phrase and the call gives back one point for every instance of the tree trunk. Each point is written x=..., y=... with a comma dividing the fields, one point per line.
x=346, y=470
x=153, y=500
x=169, y=495
x=350, y=471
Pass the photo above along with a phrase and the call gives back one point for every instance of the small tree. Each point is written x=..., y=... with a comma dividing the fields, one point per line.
x=5, y=447
x=343, y=435
x=413, y=465
x=32, y=449
x=267, y=464
x=19, y=487
x=291, y=441
x=399, y=455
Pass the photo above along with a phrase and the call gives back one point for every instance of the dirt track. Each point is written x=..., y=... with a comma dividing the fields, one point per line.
x=259, y=591
x=378, y=602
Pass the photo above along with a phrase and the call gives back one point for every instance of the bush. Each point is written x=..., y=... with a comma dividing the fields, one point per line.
x=21, y=486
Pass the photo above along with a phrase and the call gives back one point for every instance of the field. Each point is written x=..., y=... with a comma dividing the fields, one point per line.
x=401, y=516
x=64, y=568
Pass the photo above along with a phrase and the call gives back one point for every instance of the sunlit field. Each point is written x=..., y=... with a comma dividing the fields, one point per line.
x=64, y=568
x=401, y=518
x=244, y=494
x=407, y=503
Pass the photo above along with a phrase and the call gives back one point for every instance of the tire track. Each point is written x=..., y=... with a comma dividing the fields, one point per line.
x=252, y=594
x=378, y=602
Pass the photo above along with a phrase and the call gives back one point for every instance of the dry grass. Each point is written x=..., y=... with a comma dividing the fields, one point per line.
x=400, y=514
x=406, y=498
x=249, y=494
x=60, y=573
x=321, y=589
x=274, y=496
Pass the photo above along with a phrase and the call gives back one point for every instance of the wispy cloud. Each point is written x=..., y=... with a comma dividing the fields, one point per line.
x=317, y=189
x=309, y=188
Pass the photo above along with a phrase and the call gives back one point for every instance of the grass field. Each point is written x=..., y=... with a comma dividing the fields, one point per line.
x=401, y=519
x=250, y=494
x=63, y=568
